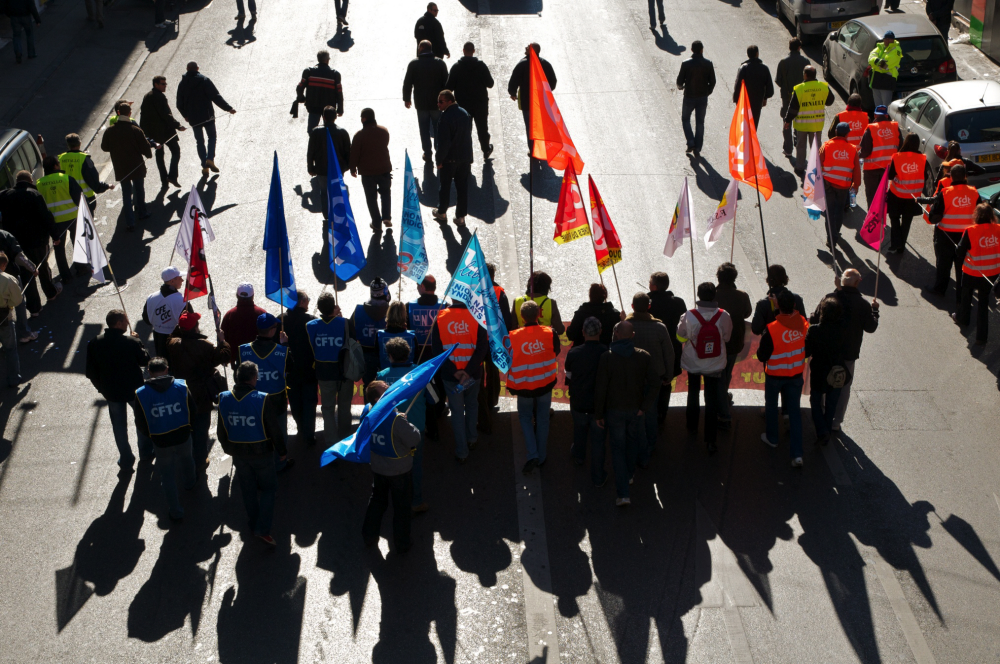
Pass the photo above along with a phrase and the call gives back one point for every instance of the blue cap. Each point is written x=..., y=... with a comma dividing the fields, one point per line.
x=266, y=321
x=889, y=33
x=881, y=110
x=843, y=129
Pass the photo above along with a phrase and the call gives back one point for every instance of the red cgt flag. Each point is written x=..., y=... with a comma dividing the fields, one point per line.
x=746, y=163
x=607, y=245
x=571, y=217
x=197, y=277
x=547, y=129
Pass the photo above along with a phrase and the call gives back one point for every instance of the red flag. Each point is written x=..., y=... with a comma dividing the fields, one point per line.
x=197, y=278
x=873, y=230
x=571, y=218
x=607, y=245
x=546, y=127
x=746, y=163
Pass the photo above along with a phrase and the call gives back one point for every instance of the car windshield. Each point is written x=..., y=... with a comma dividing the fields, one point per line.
x=978, y=126
x=922, y=49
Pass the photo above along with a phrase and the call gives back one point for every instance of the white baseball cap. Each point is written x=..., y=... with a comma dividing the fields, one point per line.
x=244, y=290
x=170, y=273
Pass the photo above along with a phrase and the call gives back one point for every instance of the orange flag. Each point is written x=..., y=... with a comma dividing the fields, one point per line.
x=196, y=284
x=571, y=217
x=547, y=129
x=746, y=163
x=607, y=245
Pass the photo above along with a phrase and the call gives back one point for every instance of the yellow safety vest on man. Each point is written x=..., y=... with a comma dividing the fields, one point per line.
x=72, y=165
x=54, y=188
x=812, y=96
x=892, y=54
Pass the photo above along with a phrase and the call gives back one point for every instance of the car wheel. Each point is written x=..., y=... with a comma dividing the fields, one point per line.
x=827, y=73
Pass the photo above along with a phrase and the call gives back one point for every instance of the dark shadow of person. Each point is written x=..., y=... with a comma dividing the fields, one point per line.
x=342, y=41
x=484, y=199
x=867, y=267
x=428, y=189
x=963, y=533
x=709, y=181
x=241, y=36
x=454, y=244
x=543, y=181
x=665, y=42
x=313, y=199
x=381, y=258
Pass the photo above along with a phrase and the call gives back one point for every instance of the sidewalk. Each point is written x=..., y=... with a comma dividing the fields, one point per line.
x=970, y=62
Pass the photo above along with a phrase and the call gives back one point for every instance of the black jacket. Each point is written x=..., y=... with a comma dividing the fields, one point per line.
x=858, y=318
x=604, y=312
x=155, y=117
x=520, y=78
x=14, y=8
x=195, y=95
x=668, y=309
x=789, y=72
x=114, y=364
x=171, y=438
x=273, y=409
x=826, y=344
x=763, y=314
x=939, y=8
x=320, y=87
x=697, y=76
x=10, y=246
x=757, y=77
x=426, y=76
x=300, y=368
x=24, y=214
x=429, y=28
x=581, y=374
x=454, y=136
x=470, y=79
x=316, y=152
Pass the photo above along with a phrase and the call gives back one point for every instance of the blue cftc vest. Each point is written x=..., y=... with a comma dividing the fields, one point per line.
x=422, y=319
x=381, y=439
x=243, y=418
x=270, y=368
x=383, y=339
x=326, y=338
x=165, y=411
x=366, y=328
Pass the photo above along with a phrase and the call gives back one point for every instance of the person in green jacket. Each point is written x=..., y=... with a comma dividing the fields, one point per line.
x=884, y=60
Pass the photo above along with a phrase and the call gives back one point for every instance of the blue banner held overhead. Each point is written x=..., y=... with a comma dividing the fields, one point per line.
x=279, y=279
x=345, y=253
x=412, y=262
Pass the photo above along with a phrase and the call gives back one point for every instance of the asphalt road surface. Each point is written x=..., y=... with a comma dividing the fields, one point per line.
x=882, y=549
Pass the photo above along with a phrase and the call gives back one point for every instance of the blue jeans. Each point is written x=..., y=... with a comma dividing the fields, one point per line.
x=200, y=130
x=536, y=438
x=258, y=484
x=824, y=407
x=118, y=412
x=464, y=415
x=427, y=121
x=8, y=339
x=790, y=389
x=168, y=460
x=584, y=427
x=25, y=24
x=698, y=105
x=200, y=424
x=418, y=473
x=136, y=207
x=625, y=430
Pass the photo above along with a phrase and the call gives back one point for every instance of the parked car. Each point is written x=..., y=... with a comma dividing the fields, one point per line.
x=963, y=111
x=812, y=19
x=926, y=59
x=18, y=152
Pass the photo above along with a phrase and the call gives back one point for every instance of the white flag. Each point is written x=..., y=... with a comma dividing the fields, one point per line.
x=87, y=246
x=183, y=243
x=726, y=211
x=813, y=192
x=682, y=225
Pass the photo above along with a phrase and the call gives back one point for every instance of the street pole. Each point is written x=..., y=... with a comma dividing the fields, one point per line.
x=756, y=185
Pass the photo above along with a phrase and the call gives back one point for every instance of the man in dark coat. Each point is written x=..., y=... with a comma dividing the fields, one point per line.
x=426, y=76
x=757, y=78
x=24, y=215
x=129, y=149
x=787, y=76
x=697, y=78
x=197, y=97
x=429, y=28
x=939, y=12
x=316, y=153
x=320, y=87
x=22, y=13
x=454, y=157
x=668, y=309
x=520, y=79
x=160, y=125
x=301, y=378
x=470, y=80
x=370, y=158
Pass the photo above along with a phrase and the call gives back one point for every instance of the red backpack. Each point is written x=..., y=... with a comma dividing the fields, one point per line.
x=709, y=341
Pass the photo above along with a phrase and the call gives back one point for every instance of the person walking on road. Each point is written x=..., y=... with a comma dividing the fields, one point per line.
x=269, y=351
x=939, y=13
x=623, y=393
x=426, y=76
x=341, y=8
x=163, y=308
x=392, y=445
x=10, y=298
x=129, y=149
x=368, y=318
x=470, y=79
x=79, y=166
x=428, y=28
x=856, y=119
x=370, y=158
x=240, y=322
x=826, y=346
x=164, y=409
x=782, y=350
x=951, y=213
x=531, y=378
x=880, y=141
x=454, y=158
x=884, y=62
x=249, y=430
x=159, y=123
x=197, y=98
x=22, y=14
x=910, y=176
x=980, y=264
x=539, y=284
x=596, y=306
x=302, y=385
x=62, y=194
x=737, y=304
x=10, y=247
x=27, y=219
x=316, y=156
x=757, y=77
x=704, y=331
x=805, y=113
x=95, y=11
x=787, y=76
x=115, y=360
x=581, y=377
x=400, y=351
x=668, y=309
x=953, y=156
x=651, y=335
x=318, y=88
x=841, y=175
x=328, y=336
x=421, y=315
x=767, y=308
x=519, y=85
x=697, y=79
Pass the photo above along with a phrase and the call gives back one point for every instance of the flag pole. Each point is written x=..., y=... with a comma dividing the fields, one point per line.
x=531, y=192
x=113, y=280
x=281, y=282
x=694, y=287
x=620, y=300
x=763, y=233
x=732, y=246
x=600, y=276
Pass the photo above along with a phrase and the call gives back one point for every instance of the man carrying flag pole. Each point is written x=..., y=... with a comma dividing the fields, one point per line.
x=746, y=162
x=192, y=206
x=814, y=195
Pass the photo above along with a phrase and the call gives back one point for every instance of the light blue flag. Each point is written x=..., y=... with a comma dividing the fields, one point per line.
x=471, y=284
x=346, y=253
x=356, y=446
x=412, y=261
x=279, y=279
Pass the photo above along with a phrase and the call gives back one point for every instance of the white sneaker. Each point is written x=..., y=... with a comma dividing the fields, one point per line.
x=763, y=438
x=797, y=462
x=622, y=502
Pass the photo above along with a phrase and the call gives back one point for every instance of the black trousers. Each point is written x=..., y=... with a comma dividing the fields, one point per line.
x=663, y=402
x=481, y=116
x=376, y=187
x=946, y=255
x=459, y=172
x=175, y=156
x=899, y=230
x=31, y=298
x=983, y=289
x=711, y=404
x=400, y=489
x=160, y=343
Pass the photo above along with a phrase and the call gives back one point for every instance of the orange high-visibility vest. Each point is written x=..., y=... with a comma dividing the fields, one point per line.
x=534, y=362
x=959, y=204
x=839, y=158
x=789, y=356
x=858, y=122
x=457, y=326
x=909, y=180
x=942, y=184
x=983, y=258
x=885, y=143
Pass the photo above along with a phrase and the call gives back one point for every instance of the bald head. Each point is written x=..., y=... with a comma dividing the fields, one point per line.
x=192, y=66
x=425, y=47
x=851, y=278
x=624, y=330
